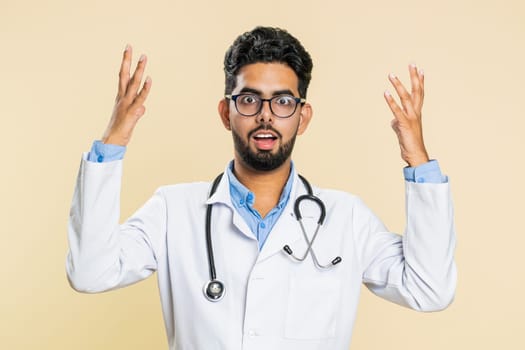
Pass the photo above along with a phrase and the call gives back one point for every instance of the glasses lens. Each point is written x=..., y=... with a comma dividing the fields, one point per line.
x=248, y=104
x=283, y=105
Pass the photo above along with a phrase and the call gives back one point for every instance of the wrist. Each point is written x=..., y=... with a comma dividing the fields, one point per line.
x=414, y=161
x=115, y=140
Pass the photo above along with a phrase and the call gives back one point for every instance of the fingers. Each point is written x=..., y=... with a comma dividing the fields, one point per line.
x=412, y=102
x=138, y=103
x=134, y=83
x=416, y=79
x=421, y=75
x=404, y=96
x=128, y=87
x=124, y=71
x=394, y=107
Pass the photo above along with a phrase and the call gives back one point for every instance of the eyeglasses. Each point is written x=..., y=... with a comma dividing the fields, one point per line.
x=282, y=106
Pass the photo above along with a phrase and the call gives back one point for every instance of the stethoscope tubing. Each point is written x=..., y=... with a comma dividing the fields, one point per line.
x=320, y=221
x=214, y=289
x=209, y=244
x=299, y=217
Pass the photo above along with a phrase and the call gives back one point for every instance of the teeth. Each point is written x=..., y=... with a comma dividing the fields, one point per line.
x=264, y=136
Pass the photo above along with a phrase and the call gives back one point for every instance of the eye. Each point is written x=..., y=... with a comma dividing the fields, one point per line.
x=284, y=100
x=248, y=99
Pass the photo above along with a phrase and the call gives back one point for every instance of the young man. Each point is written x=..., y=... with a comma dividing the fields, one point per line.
x=245, y=265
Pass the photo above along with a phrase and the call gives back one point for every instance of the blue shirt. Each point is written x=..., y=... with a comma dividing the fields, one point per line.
x=243, y=199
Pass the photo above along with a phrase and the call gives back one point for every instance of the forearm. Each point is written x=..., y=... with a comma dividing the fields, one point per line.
x=417, y=269
x=93, y=219
x=429, y=244
x=102, y=254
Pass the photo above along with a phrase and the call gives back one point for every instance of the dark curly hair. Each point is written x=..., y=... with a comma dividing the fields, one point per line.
x=267, y=44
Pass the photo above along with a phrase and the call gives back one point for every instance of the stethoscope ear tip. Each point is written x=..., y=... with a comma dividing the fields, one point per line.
x=337, y=260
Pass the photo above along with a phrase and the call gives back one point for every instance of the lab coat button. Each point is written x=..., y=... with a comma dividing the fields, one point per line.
x=252, y=333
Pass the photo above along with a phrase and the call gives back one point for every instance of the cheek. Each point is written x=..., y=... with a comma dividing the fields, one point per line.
x=291, y=129
x=241, y=127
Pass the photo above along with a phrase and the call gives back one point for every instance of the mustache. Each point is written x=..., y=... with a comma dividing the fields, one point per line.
x=265, y=127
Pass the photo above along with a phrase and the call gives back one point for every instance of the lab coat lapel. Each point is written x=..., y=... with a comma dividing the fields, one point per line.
x=286, y=229
x=222, y=196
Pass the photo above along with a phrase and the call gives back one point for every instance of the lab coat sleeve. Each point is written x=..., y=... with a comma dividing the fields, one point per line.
x=416, y=270
x=104, y=255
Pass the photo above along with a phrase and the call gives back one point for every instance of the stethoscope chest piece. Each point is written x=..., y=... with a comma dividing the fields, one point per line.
x=214, y=290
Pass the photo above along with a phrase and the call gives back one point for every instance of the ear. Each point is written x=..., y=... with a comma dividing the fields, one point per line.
x=224, y=112
x=305, y=117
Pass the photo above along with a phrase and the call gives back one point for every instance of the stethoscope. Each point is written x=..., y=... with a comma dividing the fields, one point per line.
x=214, y=288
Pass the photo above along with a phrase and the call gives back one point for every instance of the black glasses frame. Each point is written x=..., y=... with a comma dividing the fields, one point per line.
x=234, y=98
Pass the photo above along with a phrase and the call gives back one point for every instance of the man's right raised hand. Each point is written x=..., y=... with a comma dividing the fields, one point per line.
x=129, y=104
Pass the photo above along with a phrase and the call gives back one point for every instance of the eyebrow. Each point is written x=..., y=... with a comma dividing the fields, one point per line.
x=258, y=92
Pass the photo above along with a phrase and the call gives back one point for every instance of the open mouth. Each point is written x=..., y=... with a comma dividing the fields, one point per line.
x=264, y=140
x=263, y=136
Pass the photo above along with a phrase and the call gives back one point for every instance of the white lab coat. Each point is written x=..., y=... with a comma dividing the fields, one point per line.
x=271, y=302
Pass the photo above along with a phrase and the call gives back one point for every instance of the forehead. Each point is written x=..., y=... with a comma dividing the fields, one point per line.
x=267, y=78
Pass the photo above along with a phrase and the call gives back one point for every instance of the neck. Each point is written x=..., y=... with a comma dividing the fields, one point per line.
x=266, y=185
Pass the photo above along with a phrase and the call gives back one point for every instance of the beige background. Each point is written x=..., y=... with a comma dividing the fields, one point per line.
x=58, y=74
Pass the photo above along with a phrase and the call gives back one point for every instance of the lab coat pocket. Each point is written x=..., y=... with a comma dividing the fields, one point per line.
x=312, y=310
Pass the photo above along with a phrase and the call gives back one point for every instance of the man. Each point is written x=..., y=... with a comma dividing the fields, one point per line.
x=266, y=275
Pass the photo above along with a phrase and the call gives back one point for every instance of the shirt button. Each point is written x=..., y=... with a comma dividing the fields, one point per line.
x=420, y=179
x=249, y=197
x=241, y=202
x=262, y=225
x=100, y=159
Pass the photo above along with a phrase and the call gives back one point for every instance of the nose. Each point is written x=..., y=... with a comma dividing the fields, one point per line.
x=266, y=115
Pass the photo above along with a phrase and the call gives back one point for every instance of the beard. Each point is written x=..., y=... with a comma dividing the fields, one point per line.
x=263, y=160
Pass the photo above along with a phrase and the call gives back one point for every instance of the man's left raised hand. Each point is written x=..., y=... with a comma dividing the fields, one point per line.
x=407, y=119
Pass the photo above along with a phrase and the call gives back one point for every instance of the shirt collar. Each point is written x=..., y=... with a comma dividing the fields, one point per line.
x=242, y=196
